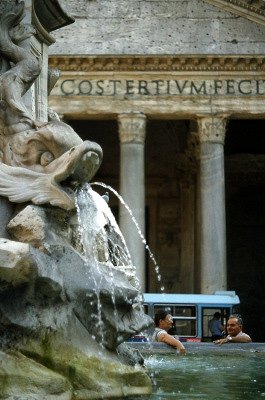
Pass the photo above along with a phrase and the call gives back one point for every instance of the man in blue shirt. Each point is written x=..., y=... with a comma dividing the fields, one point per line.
x=216, y=327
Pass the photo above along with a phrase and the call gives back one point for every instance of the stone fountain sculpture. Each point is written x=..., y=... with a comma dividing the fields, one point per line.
x=66, y=305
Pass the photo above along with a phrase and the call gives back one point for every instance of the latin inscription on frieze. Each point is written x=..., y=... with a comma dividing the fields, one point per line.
x=127, y=88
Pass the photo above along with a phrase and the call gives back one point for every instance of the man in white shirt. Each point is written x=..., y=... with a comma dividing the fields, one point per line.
x=234, y=330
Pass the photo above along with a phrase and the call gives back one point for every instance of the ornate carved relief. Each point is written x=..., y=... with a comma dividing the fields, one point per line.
x=212, y=129
x=132, y=127
x=158, y=63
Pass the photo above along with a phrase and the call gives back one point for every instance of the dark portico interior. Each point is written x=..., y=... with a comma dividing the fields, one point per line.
x=166, y=164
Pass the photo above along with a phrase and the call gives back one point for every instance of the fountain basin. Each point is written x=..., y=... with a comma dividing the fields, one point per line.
x=149, y=348
x=208, y=371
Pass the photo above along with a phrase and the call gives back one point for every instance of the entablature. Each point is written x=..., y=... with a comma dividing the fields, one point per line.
x=158, y=63
x=159, y=86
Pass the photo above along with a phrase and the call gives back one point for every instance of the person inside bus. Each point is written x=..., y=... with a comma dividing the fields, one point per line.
x=234, y=329
x=163, y=323
x=215, y=326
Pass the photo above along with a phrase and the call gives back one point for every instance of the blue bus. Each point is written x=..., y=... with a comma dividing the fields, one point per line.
x=191, y=312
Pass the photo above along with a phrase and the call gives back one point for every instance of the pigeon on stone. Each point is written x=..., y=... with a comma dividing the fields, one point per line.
x=105, y=196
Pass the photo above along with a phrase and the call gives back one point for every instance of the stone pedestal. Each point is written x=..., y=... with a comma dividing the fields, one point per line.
x=132, y=187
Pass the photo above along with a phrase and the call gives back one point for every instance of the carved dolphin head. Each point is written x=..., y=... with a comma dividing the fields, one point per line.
x=43, y=165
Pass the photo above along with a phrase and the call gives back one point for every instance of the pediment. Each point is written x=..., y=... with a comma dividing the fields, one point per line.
x=253, y=10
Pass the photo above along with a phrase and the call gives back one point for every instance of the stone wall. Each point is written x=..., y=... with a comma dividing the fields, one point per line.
x=155, y=27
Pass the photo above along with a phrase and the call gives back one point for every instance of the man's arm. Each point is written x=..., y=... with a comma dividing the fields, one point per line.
x=243, y=338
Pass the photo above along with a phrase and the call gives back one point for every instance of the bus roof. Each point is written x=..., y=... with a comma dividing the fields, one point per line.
x=218, y=298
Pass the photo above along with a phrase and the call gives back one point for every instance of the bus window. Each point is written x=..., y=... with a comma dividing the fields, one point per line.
x=184, y=311
x=185, y=327
x=146, y=309
x=207, y=315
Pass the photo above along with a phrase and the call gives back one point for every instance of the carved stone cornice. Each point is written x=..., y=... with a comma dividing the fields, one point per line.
x=253, y=10
x=201, y=63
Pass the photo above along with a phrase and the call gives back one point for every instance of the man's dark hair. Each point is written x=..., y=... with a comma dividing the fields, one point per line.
x=217, y=314
x=160, y=314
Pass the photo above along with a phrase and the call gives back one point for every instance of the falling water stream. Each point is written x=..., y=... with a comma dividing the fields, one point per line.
x=151, y=255
x=87, y=235
x=102, y=245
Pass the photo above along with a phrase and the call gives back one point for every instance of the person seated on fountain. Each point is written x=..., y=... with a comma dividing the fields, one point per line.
x=234, y=329
x=163, y=323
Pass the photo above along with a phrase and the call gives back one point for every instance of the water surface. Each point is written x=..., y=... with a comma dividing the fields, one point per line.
x=218, y=376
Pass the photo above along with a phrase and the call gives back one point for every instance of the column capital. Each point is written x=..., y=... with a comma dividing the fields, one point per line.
x=212, y=128
x=132, y=127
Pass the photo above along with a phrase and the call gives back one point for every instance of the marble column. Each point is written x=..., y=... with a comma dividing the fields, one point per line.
x=132, y=132
x=211, y=192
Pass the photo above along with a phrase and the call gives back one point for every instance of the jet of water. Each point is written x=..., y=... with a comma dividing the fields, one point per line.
x=151, y=255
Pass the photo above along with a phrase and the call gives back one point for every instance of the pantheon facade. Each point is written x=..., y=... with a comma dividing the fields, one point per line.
x=174, y=92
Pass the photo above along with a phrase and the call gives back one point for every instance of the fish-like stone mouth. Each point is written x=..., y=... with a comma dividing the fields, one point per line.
x=81, y=163
x=56, y=183
x=82, y=174
x=86, y=168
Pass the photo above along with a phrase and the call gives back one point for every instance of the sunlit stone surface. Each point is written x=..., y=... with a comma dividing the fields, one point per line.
x=68, y=292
